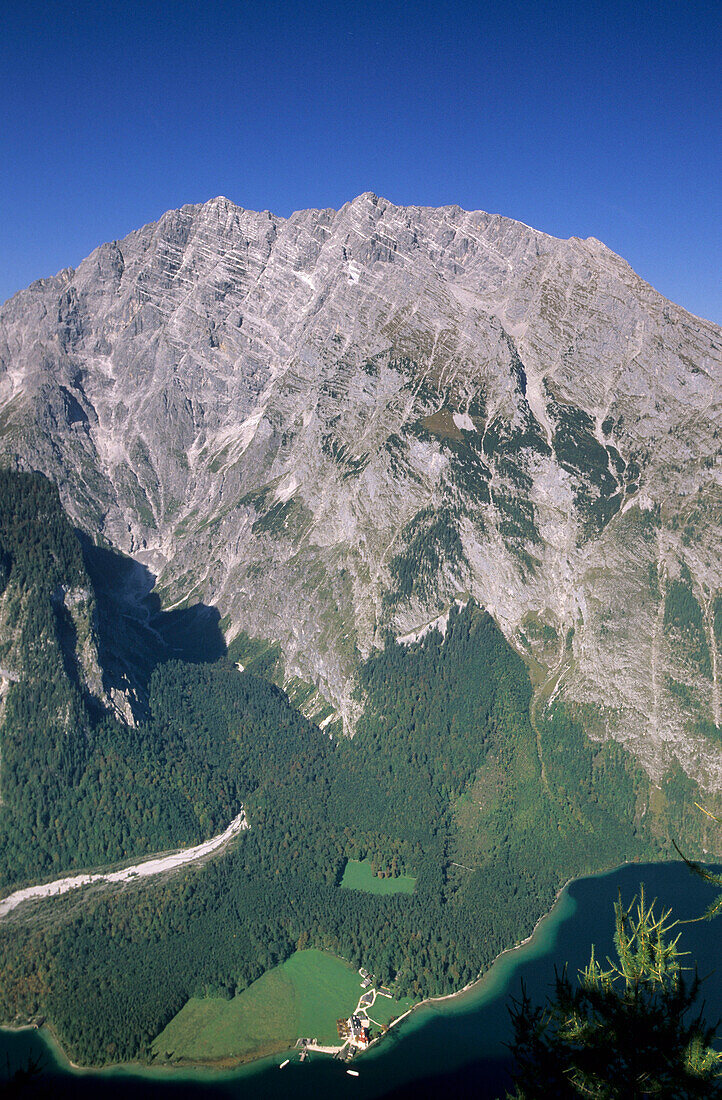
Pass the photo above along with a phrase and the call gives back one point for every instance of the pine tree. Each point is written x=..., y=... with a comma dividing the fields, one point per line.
x=628, y=1031
x=715, y=907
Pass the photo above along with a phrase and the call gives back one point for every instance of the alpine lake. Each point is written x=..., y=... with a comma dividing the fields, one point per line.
x=455, y=1045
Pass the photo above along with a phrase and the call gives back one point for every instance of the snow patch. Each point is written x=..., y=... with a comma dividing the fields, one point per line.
x=537, y=403
x=238, y=437
x=464, y=422
x=285, y=492
x=642, y=501
x=440, y=623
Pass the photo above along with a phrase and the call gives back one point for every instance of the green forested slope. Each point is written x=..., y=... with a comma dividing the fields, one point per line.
x=78, y=786
x=442, y=781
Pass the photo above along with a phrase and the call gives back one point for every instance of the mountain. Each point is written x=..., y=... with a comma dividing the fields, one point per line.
x=453, y=485
x=338, y=425
x=445, y=784
x=81, y=654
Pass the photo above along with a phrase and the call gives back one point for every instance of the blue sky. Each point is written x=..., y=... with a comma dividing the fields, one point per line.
x=579, y=119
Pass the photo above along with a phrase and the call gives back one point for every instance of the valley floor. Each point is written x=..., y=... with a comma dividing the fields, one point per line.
x=155, y=866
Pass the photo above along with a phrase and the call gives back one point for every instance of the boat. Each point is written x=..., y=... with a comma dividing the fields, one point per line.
x=284, y=1063
x=352, y=1072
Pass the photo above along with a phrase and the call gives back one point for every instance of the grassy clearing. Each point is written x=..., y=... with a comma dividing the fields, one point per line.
x=209, y=1029
x=386, y=1009
x=358, y=875
x=326, y=988
x=303, y=997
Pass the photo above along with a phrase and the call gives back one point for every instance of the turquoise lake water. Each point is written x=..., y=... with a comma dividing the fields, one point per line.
x=461, y=1040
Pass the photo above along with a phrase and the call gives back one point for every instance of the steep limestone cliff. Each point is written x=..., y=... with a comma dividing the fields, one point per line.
x=339, y=423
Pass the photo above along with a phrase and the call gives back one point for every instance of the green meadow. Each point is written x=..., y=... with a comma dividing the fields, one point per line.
x=386, y=1009
x=358, y=875
x=302, y=997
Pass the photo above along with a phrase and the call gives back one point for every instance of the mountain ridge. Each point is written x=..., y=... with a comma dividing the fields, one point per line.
x=339, y=423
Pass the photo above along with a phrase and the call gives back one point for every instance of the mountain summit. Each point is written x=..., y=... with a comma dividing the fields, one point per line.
x=339, y=424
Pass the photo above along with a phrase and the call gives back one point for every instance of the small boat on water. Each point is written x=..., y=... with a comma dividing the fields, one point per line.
x=284, y=1063
x=352, y=1072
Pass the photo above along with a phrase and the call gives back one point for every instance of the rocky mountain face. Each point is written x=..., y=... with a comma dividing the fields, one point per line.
x=338, y=424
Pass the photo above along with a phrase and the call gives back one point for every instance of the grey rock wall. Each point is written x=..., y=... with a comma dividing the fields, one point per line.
x=337, y=424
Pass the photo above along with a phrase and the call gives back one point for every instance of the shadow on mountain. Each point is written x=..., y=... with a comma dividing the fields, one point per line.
x=135, y=634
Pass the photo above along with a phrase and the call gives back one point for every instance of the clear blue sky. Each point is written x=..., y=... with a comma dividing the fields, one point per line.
x=577, y=118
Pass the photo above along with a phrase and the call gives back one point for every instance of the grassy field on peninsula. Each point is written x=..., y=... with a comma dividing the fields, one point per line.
x=302, y=997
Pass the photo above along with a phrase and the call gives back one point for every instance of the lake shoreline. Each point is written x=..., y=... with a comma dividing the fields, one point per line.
x=227, y=1067
x=444, y=998
x=222, y=1065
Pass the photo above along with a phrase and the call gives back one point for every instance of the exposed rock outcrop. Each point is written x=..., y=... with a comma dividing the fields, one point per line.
x=338, y=423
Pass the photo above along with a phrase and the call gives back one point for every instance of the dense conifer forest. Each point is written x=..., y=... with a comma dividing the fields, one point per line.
x=442, y=781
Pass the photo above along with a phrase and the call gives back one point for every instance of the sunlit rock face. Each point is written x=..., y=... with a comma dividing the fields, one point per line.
x=335, y=425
